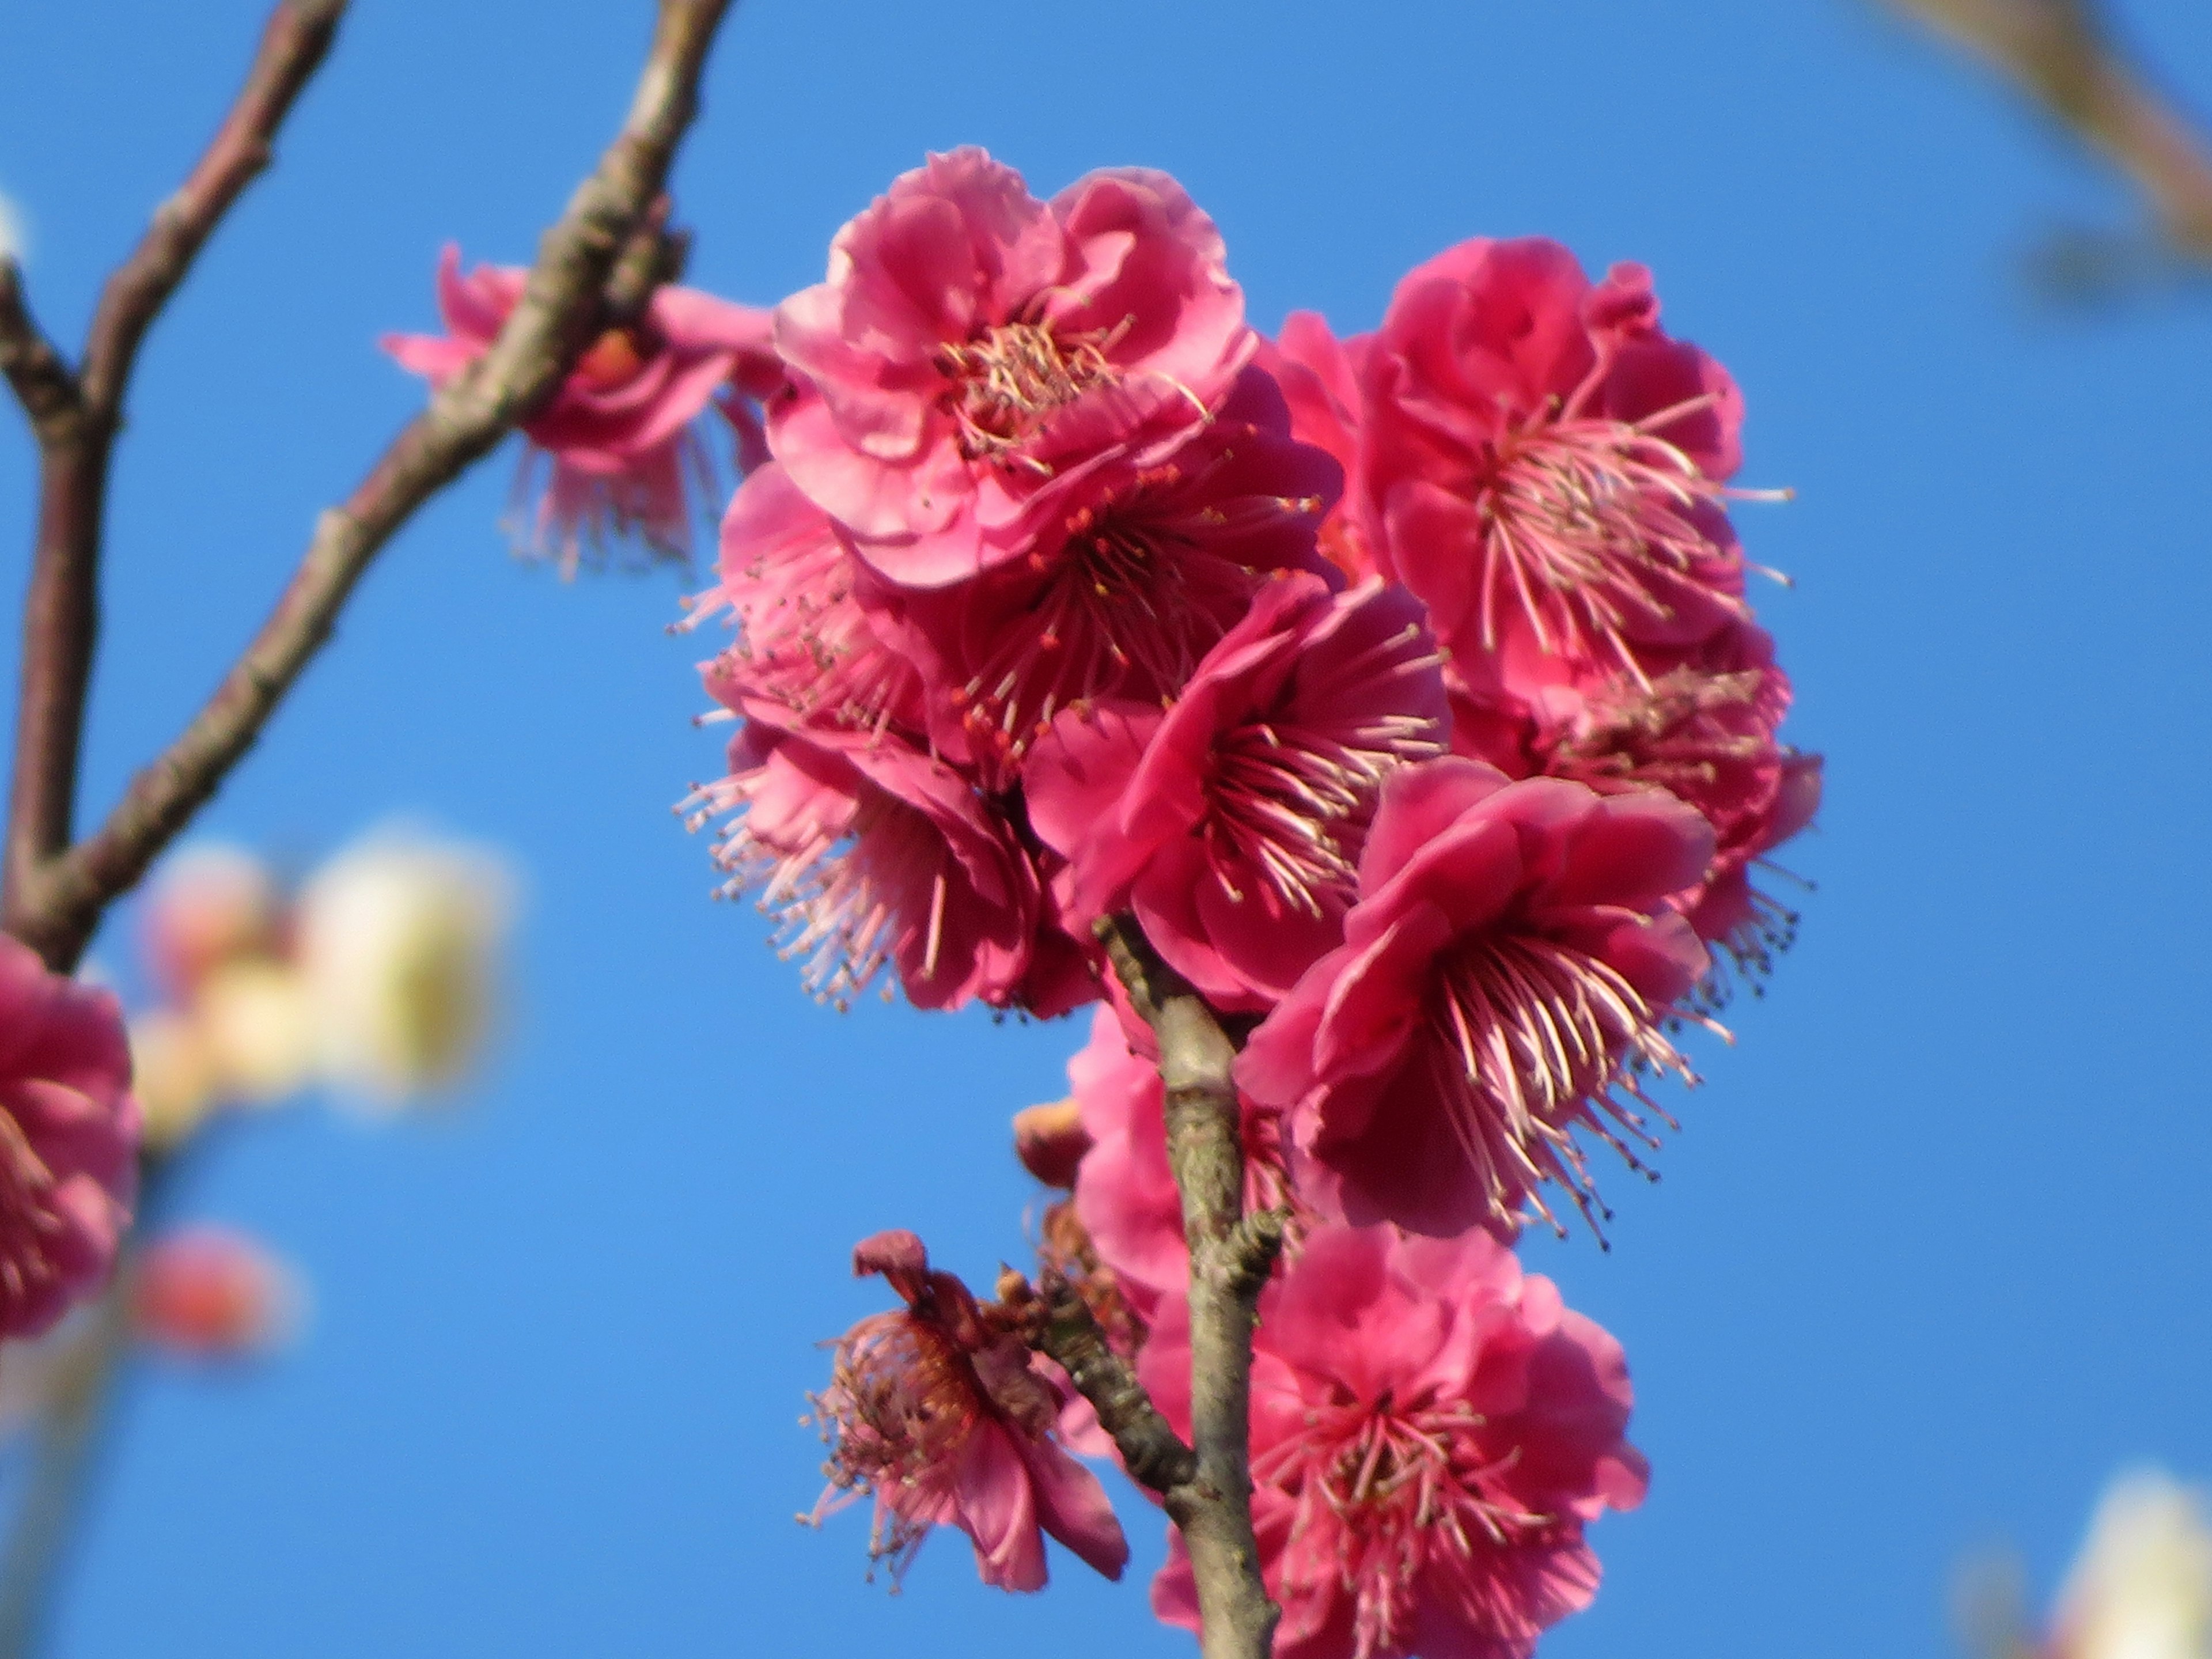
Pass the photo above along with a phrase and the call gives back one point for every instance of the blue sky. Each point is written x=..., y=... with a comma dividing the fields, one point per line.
x=1929, y=1259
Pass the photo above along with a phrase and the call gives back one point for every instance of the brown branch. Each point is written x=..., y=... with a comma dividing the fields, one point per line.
x=1230, y=1257
x=41, y=380
x=2062, y=55
x=61, y=616
x=562, y=309
x=1063, y=1328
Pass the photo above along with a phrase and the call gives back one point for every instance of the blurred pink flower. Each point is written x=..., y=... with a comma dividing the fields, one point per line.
x=1431, y=1431
x=1230, y=823
x=943, y=1422
x=974, y=350
x=1511, y=954
x=1535, y=446
x=69, y=1140
x=209, y=1292
x=625, y=455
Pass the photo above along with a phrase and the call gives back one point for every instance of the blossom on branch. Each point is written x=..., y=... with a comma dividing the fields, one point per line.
x=934, y=1411
x=975, y=350
x=1432, y=1432
x=622, y=439
x=69, y=1140
x=1502, y=986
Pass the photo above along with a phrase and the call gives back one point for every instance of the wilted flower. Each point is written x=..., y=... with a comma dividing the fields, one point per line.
x=1432, y=1431
x=68, y=1140
x=940, y=1418
x=210, y=1292
x=399, y=945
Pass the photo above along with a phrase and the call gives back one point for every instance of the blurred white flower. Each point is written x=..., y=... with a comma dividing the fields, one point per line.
x=209, y=904
x=399, y=943
x=173, y=1074
x=2142, y=1588
x=13, y=243
x=259, y=1027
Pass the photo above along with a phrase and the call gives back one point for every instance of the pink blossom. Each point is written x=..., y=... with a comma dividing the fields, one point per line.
x=1535, y=446
x=1230, y=823
x=1701, y=724
x=975, y=350
x=1320, y=377
x=1125, y=1191
x=211, y=1292
x=1431, y=1433
x=1123, y=594
x=940, y=1417
x=620, y=437
x=69, y=1140
x=872, y=855
x=1504, y=975
x=807, y=650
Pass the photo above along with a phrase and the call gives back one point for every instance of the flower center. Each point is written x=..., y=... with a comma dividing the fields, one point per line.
x=612, y=359
x=1008, y=381
x=1535, y=1040
x=1580, y=518
x=1386, y=1495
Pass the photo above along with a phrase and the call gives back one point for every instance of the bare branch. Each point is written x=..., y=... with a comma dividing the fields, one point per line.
x=1229, y=1261
x=42, y=381
x=293, y=45
x=61, y=616
x=563, y=308
x=2062, y=55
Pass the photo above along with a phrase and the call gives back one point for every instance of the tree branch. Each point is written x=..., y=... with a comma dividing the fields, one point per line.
x=42, y=381
x=1229, y=1260
x=2062, y=55
x=61, y=617
x=1063, y=1328
x=562, y=309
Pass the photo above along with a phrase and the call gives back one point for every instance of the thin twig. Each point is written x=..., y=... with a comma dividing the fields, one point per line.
x=561, y=310
x=2062, y=55
x=41, y=380
x=61, y=617
x=1230, y=1257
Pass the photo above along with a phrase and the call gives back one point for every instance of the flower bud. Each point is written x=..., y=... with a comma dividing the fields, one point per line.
x=209, y=906
x=213, y=1293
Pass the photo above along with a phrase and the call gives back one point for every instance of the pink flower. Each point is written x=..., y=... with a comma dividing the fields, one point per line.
x=1536, y=447
x=1701, y=724
x=69, y=1140
x=1432, y=1432
x=620, y=435
x=1511, y=959
x=213, y=1293
x=807, y=650
x=1123, y=594
x=1125, y=1192
x=1232, y=821
x=941, y=1419
x=1320, y=377
x=872, y=855
x=974, y=350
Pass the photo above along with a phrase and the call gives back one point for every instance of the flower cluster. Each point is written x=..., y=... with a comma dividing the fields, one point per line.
x=1402, y=690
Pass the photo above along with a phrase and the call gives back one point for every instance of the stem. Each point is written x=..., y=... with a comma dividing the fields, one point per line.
x=1230, y=1257
x=76, y=418
x=54, y=902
